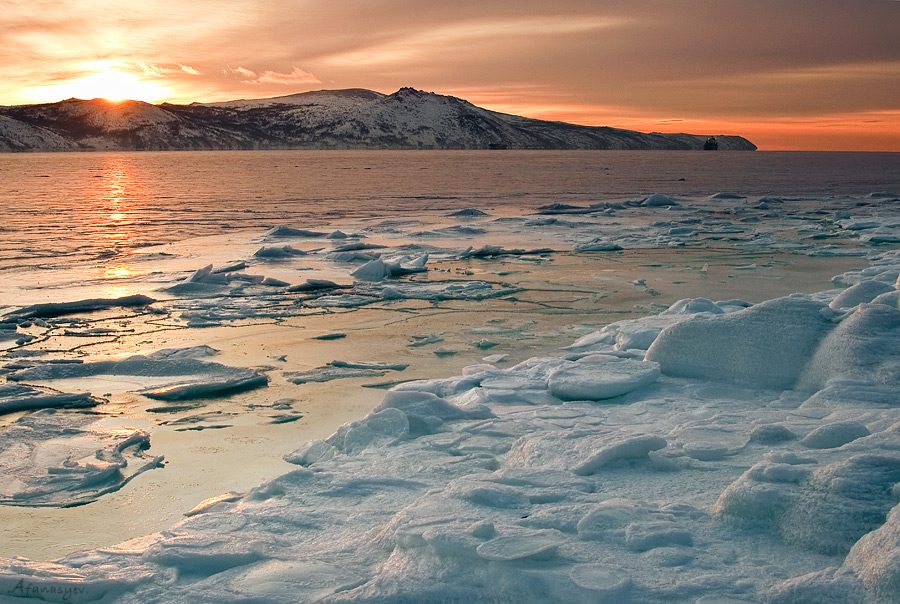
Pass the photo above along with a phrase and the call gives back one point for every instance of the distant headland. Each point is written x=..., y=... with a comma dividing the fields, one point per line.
x=325, y=119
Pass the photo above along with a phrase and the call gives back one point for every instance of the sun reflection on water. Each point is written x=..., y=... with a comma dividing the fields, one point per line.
x=116, y=182
x=117, y=291
x=118, y=188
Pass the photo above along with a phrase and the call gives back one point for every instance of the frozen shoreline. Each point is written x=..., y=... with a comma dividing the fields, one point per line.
x=366, y=519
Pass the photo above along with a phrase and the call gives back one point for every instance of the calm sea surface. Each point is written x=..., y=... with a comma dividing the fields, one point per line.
x=70, y=207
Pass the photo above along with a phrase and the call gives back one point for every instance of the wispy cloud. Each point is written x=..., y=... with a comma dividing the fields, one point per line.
x=472, y=33
x=296, y=76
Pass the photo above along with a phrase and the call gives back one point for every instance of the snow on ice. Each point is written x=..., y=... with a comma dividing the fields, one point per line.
x=604, y=479
x=55, y=458
x=718, y=451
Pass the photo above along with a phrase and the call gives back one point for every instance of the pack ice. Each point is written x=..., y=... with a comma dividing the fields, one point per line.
x=716, y=452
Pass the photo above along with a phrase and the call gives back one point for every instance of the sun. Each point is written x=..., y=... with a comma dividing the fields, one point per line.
x=110, y=84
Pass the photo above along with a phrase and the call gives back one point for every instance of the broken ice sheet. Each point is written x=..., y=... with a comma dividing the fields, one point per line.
x=18, y=397
x=338, y=370
x=194, y=378
x=62, y=459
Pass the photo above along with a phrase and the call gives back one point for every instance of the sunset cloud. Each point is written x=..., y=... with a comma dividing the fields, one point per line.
x=614, y=62
x=296, y=76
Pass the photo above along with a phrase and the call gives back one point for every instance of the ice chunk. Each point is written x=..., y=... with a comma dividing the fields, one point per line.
x=767, y=345
x=273, y=282
x=278, y=253
x=611, y=516
x=230, y=268
x=771, y=434
x=484, y=344
x=875, y=559
x=489, y=251
x=209, y=385
x=632, y=446
x=644, y=536
x=639, y=334
x=202, y=378
x=289, y=232
x=376, y=365
x=315, y=285
x=51, y=458
x=864, y=346
x=330, y=373
x=374, y=270
x=427, y=412
x=190, y=352
x=891, y=298
x=534, y=545
x=17, y=397
x=825, y=510
x=380, y=428
x=468, y=213
x=581, y=451
x=352, y=256
x=598, y=377
x=842, y=502
x=307, y=580
x=200, y=274
x=658, y=200
x=827, y=585
x=564, y=208
x=600, y=579
x=343, y=301
x=864, y=291
x=834, y=435
x=597, y=245
x=406, y=265
x=200, y=281
x=330, y=336
x=201, y=555
x=425, y=340
x=55, y=309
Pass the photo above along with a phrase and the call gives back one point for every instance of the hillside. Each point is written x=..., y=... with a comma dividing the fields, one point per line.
x=327, y=119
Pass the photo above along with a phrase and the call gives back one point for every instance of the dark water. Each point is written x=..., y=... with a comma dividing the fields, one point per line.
x=84, y=206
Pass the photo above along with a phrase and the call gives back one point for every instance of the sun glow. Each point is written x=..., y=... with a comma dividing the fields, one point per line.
x=110, y=84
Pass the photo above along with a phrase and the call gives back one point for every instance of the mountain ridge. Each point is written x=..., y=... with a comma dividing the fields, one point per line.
x=353, y=118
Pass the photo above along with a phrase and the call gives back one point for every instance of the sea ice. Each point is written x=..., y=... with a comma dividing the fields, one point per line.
x=279, y=232
x=196, y=378
x=18, y=397
x=752, y=453
x=55, y=309
x=278, y=253
x=60, y=458
x=338, y=370
x=597, y=377
x=767, y=345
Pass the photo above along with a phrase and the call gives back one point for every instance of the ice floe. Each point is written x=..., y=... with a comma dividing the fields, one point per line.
x=19, y=397
x=55, y=309
x=167, y=378
x=60, y=458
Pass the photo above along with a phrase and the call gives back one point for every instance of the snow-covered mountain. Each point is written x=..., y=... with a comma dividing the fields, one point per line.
x=326, y=119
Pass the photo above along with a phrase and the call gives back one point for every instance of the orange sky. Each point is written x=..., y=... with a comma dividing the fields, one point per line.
x=798, y=74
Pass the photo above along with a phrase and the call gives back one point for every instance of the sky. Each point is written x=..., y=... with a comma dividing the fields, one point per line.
x=787, y=74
